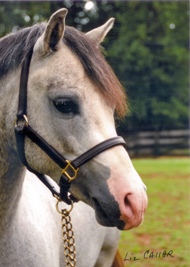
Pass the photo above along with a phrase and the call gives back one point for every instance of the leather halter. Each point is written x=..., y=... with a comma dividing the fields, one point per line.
x=69, y=168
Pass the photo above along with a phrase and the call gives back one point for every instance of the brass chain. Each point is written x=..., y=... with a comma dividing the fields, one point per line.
x=67, y=235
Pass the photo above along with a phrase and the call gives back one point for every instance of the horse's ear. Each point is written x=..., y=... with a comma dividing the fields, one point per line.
x=98, y=34
x=52, y=37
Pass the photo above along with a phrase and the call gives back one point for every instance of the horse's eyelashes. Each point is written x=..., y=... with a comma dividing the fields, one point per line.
x=66, y=106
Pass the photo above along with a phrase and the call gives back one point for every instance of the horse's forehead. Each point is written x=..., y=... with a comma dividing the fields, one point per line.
x=63, y=72
x=65, y=57
x=63, y=67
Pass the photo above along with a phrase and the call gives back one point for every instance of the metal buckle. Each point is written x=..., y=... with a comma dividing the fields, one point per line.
x=23, y=120
x=74, y=171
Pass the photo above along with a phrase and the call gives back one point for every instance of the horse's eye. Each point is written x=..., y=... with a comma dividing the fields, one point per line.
x=66, y=106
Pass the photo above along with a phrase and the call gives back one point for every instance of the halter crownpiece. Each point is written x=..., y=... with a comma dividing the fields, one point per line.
x=70, y=169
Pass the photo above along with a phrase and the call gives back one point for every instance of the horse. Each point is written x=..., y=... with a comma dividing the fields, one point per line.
x=70, y=100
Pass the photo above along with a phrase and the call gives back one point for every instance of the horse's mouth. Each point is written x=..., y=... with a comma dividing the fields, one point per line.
x=105, y=218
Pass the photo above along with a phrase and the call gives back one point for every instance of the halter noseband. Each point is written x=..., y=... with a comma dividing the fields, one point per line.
x=69, y=168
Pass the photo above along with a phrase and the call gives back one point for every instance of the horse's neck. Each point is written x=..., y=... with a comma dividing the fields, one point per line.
x=10, y=191
x=8, y=107
x=11, y=171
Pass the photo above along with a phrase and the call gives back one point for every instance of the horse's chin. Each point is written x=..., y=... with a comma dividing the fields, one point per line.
x=105, y=219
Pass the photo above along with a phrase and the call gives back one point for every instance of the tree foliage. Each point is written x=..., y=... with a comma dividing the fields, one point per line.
x=148, y=49
x=151, y=55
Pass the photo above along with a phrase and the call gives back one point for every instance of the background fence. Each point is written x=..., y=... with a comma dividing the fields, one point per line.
x=156, y=143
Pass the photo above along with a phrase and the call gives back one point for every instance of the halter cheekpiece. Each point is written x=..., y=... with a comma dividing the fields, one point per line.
x=69, y=168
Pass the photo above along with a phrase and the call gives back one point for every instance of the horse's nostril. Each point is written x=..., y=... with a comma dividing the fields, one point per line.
x=126, y=200
x=128, y=205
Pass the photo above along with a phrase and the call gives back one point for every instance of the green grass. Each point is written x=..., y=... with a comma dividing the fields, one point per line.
x=167, y=220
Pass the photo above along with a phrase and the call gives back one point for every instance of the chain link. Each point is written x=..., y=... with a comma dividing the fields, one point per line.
x=68, y=236
x=68, y=239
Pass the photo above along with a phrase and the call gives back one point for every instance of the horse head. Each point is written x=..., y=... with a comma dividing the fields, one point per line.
x=72, y=97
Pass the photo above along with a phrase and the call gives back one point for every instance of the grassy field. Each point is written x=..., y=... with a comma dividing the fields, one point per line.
x=167, y=221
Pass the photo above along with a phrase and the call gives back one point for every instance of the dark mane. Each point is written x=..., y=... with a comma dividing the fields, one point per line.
x=13, y=48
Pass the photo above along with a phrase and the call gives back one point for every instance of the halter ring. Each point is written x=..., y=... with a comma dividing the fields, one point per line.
x=63, y=211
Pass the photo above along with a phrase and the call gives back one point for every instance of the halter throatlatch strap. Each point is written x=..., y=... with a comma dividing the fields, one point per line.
x=69, y=168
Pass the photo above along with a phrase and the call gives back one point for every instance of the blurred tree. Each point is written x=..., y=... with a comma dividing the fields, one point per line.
x=148, y=49
x=150, y=55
